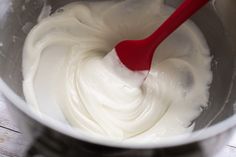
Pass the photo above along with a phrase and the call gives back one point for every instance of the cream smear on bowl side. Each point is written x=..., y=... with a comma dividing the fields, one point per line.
x=65, y=76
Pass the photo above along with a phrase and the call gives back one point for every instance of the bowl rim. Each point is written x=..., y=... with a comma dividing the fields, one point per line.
x=55, y=125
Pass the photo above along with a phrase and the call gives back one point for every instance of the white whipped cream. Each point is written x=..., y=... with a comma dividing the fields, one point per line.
x=66, y=78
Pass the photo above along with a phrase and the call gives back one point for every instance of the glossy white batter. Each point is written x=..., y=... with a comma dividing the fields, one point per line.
x=66, y=78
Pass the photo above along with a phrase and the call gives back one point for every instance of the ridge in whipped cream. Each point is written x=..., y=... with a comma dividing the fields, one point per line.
x=65, y=76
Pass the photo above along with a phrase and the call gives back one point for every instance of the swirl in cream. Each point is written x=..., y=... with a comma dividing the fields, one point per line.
x=65, y=75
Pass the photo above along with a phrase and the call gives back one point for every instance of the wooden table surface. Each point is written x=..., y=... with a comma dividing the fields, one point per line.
x=12, y=142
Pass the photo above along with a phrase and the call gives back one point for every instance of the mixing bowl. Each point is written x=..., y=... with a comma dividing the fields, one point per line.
x=50, y=138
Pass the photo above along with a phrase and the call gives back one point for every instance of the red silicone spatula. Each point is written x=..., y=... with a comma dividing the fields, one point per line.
x=137, y=55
